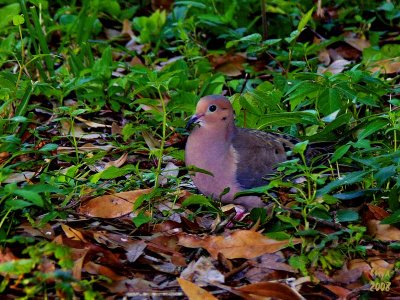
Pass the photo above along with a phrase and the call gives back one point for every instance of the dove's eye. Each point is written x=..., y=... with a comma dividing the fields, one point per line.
x=212, y=108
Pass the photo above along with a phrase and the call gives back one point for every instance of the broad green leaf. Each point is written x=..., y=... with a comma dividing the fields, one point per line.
x=43, y=188
x=48, y=147
x=279, y=235
x=18, y=266
x=18, y=20
x=304, y=20
x=31, y=196
x=327, y=133
x=197, y=199
x=329, y=101
x=347, y=215
x=16, y=204
x=287, y=119
x=112, y=172
x=349, y=178
x=321, y=214
x=299, y=263
x=19, y=119
x=392, y=219
x=289, y=220
x=338, y=154
x=255, y=38
x=309, y=232
x=354, y=194
x=385, y=173
x=300, y=147
x=191, y=4
x=141, y=219
x=373, y=127
x=7, y=13
x=329, y=199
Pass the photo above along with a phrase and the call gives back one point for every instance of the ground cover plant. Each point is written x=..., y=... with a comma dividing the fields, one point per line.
x=95, y=198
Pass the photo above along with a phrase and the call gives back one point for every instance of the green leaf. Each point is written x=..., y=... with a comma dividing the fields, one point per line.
x=347, y=215
x=329, y=101
x=349, y=178
x=31, y=196
x=16, y=204
x=300, y=147
x=19, y=119
x=373, y=127
x=309, y=232
x=334, y=258
x=103, y=67
x=113, y=172
x=304, y=20
x=328, y=199
x=18, y=20
x=342, y=150
x=255, y=38
x=299, y=263
x=48, y=147
x=198, y=200
x=289, y=220
x=141, y=219
x=287, y=119
x=18, y=266
x=392, y=219
x=385, y=173
x=279, y=235
x=7, y=13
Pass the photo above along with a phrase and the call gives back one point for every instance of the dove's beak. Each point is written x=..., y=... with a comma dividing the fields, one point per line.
x=193, y=119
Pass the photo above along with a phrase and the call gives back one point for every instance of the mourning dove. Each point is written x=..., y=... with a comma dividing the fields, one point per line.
x=237, y=158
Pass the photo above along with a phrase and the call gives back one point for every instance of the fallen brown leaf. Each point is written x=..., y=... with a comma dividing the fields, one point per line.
x=96, y=269
x=229, y=64
x=385, y=66
x=92, y=124
x=378, y=212
x=78, y=263
x=339, y=291
x=127, y=28
x=335, y=68
x=202, y=272
x=383, y=232
x=117, y=163
x=238, y=244
x=193, y=291
x=271, y=289
x=6, y=255
x=111, y=206
x=358, y=43
x=72, y=233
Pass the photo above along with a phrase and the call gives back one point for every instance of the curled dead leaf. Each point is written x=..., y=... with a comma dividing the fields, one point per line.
x=238, y=244
x=202, y=272
x=72, y=233
x=339, y=291
x=97, y=269
x=383, y=232
x=117, y=163
x=194, y=292
x=91, y=123
x=112, y=206
x=271, y=289
x=385, y=66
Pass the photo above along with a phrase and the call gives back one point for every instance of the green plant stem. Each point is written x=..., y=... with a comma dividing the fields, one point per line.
x=5, y=217
x=163, y=136
x=21, y=64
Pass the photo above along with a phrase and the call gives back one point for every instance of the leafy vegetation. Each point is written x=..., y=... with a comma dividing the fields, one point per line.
x=93, y=102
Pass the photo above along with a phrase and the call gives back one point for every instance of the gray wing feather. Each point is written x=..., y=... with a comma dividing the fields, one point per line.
x=258, y=153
